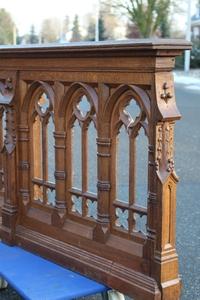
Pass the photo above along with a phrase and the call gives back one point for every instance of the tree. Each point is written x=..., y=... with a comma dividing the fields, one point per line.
x=33, y=38
x=6, y=28
x=50, y=31
x=163, y=24
x=132, y=31
x=164, y=28
x=150, y=16
x=90, y=30
x=76, y=34
x=102, y=30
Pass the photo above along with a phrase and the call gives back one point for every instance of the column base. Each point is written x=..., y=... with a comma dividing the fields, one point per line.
x=171, y=290
x=101, y=233
x=9, y=220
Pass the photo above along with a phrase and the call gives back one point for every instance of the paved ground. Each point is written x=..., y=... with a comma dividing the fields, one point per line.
x=9, y=294
x=188, y=193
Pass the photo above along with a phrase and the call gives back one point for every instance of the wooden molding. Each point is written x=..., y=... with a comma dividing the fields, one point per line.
x=106, y=271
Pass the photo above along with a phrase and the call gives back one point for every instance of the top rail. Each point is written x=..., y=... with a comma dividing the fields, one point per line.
x=96, y=47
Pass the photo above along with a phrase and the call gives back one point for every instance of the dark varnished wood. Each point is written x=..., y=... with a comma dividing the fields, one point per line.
x=109, y=75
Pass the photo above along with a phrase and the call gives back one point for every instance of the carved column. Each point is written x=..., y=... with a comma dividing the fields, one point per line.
x=162, y=183
x=10, y=206
x=24, y=167
x=59, y=213
x=102, y=229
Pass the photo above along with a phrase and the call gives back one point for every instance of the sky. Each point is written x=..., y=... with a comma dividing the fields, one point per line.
x=28, y=12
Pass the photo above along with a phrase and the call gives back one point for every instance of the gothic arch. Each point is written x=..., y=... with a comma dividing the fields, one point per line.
x=137, y=93
x=36, y=88
x=76, y=90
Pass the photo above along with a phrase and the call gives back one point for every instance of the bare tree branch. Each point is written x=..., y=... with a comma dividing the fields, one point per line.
x=149, y=16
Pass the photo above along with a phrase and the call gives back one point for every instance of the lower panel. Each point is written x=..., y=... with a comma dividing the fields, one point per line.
x=103, y=270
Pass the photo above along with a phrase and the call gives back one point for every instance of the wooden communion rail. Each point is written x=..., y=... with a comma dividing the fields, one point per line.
x=72, y=120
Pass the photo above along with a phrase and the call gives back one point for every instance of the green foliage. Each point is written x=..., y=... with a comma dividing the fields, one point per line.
x=194, y=57
x=6, y=28
x=76, y=34
x=163, y=25
x=195, y=54
x=179, y=64
x=132, y=31
x=150, y=16
x=102, y=31
x=164, y=28
x=91, y=31
x=33, y=38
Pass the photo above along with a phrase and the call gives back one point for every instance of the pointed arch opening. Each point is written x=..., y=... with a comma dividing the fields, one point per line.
x=41, y=121
x=82, y=155
x=129, y=126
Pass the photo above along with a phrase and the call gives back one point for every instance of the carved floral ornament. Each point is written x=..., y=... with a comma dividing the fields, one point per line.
x=6, y=91
x=166, y=95
x=169, y=137
x=10, y=130
x=8, y=114
x=165, y=146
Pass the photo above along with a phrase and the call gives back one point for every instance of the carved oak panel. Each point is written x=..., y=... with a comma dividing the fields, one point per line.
x=87, y=166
